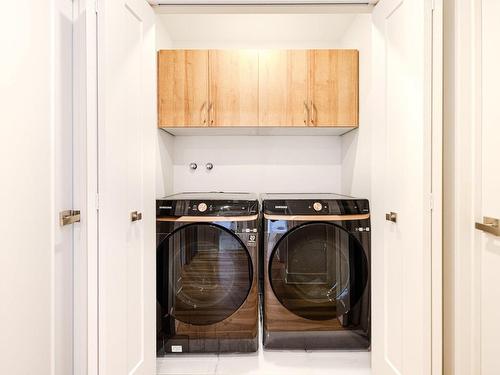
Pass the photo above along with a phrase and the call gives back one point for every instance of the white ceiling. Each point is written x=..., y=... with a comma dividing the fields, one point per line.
x=255, y=28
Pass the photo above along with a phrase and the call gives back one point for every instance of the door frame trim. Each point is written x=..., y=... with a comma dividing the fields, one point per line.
x=85, y=328
x=462, y=124
x=436, y=199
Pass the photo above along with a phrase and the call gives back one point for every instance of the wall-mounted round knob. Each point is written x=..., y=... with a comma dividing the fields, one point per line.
x=209, y=166
x=202, y=207
x=193, y=166
x=317, y=206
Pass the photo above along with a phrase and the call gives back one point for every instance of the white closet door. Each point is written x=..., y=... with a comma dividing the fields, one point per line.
x=63, y=186
x=126, y=122
x=402, y=184
x=486, y=298
x=27, y=167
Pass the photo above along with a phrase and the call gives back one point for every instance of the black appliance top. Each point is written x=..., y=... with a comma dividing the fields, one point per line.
x=208, y=204
x=302, y=196
x=313, y=204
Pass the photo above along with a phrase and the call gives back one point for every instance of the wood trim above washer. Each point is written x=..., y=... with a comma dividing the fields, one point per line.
x=198, y=219
x=317, y=217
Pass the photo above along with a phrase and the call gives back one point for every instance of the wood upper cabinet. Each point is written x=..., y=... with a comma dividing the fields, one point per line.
x=283, y=88
x=198, y=88
x=334, y=87
x=234, y=87
x=182, y=88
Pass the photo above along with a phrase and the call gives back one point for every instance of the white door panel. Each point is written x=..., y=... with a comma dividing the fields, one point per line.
x=401, y=288
x=63, y=261
x=489, y=199
x=36, y=174
x=126, y=247
x=26, y=194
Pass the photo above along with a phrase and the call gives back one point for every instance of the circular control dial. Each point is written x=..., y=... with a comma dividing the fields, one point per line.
x=317, y=206
x=202, y=207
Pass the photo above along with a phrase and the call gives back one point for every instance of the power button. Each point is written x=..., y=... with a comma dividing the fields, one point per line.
x=317, y=206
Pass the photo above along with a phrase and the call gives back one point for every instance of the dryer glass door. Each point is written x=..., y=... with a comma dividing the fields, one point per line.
x=318, y=271
x=204, y=274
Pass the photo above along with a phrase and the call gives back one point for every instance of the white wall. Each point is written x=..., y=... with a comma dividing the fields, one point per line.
x=164, y=142
x=258, y=164
x=164, y=164
x=270, y=163
x=252, y=30
x=26, y=194
x=356, y=145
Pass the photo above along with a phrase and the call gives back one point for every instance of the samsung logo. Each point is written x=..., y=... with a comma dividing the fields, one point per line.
x=284, y=207
x=165, y=207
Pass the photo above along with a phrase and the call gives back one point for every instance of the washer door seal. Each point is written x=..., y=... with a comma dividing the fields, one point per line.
x=318, y=271
x=204, y=273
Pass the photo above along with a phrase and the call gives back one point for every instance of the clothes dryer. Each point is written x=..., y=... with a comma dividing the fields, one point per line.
x=316, y=261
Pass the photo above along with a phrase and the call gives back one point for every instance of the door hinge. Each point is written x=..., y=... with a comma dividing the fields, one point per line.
x=69, y=217
x=96, y=4
x=97, y=202
x=431, y=202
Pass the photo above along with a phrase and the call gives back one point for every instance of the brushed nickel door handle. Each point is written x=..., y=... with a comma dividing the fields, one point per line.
x=69, y=217
x=490, y=225
x=391, y=216
x=135, y=216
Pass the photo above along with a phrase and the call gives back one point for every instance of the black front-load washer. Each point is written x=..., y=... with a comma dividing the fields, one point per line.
x=316, y=262
x=207, y=289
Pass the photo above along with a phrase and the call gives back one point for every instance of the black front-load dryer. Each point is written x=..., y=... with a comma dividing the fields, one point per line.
x=316, y=262
x=207, y=289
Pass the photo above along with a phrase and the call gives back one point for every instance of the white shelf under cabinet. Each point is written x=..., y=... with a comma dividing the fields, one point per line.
x=240, y=130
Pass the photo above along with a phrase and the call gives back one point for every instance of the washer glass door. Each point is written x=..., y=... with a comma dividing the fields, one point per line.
x=318, y=271
x=204, y=273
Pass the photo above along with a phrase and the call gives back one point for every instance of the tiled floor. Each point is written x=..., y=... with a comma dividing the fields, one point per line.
x=268, y=363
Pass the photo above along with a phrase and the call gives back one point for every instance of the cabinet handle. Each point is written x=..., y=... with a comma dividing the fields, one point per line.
x=204, y=113
x=211, y=110
x=306, y=113
x=135, y=216
x=312, y=113
x=489, y=225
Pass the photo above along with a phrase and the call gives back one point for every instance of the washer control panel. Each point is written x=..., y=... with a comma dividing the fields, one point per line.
x=207, y=207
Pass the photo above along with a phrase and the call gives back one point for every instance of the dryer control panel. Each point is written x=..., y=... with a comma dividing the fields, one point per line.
x=316, y=207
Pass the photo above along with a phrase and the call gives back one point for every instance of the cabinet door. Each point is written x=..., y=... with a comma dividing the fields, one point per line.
x=334, y=87
x=182, y=88
x=283, y=99
x=234, y=87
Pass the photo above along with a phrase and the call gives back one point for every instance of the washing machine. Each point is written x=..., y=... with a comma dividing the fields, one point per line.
x=316, y=262
x=207, y=282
